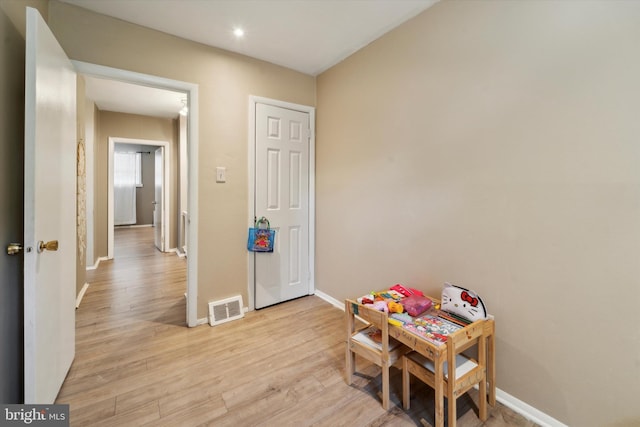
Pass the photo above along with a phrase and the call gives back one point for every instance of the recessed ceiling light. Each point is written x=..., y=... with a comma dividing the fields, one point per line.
x=238, y=32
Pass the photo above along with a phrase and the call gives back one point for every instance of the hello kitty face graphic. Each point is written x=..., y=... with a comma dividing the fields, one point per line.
x=462, y=302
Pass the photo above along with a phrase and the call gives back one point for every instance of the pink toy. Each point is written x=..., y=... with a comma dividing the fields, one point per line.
x=416, y=305
x=381, y=306
x=407, y=292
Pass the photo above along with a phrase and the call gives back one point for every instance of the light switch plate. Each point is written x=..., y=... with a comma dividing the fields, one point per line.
x=221, y=174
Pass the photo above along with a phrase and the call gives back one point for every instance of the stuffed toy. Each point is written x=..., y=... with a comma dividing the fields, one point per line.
x=395, y=307
x=462, y=302
x=381, y=306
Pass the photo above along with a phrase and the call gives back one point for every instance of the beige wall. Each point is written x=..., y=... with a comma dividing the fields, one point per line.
x=495, y=145
x=15, y=10
x=136, y=127
x=225, y=82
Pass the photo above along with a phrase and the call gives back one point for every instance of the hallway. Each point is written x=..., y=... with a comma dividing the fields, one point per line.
x=140, y=283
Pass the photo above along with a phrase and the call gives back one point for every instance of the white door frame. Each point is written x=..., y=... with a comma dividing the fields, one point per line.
x=166, y=189
x=253, y=100
x=191, y=90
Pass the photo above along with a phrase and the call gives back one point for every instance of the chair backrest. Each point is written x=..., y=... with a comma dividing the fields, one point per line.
x=383, y=354
x=369, y=314
x=379, y=319
x=466, y=337
x=470, y=336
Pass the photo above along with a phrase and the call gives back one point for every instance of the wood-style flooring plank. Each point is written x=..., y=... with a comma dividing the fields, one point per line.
x=137, y=364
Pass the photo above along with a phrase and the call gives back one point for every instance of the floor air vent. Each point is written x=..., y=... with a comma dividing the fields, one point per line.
x=225, y=310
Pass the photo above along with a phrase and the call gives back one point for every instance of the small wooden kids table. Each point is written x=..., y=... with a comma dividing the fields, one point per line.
x=437, y=353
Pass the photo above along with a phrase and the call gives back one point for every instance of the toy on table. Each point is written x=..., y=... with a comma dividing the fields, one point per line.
x=463, y=302
x=387, y=301
x=433, y=328
x=395, y=322
x=367, y=299
x=395, y=307
x=402, y=318
x=381, y=306
x=415, y=305
x=406, y=292
x=389, y=295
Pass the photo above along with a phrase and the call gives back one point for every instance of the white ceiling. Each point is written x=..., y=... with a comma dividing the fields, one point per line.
x=309, y=36
x=112, y=95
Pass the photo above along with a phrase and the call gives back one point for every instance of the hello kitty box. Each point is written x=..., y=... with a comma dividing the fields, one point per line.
x=462, y=302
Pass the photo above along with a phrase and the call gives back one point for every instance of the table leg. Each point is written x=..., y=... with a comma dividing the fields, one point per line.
x=350, y=357
x=385, y=388
x=349, y=365
x=491, y=368
x=406, y=385
x=439, y=390
x=482, y=386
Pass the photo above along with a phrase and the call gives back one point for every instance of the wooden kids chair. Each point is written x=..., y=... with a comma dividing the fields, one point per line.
x=457, y=374
x=383, y=354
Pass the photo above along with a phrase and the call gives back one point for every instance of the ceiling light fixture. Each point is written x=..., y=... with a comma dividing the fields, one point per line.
x=238, y=32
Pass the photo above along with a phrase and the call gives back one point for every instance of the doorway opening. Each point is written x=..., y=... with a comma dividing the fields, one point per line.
x=164, y=225
x=190, y=91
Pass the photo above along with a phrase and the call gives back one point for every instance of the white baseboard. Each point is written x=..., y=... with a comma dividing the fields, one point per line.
x=81, y=294
x=516, y=405
x=134, y=226
x=102, y=258
x=203, y=321
x=526, y=410
x=178, y=253
x=328, y=298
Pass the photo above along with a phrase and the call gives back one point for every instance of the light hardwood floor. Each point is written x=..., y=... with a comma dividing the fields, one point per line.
x=138, y=364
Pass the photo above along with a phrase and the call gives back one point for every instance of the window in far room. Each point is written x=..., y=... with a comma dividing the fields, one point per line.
x=139, y=170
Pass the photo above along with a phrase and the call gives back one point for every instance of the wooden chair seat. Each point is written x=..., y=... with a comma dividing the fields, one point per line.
x=464, y=364
x=364, y=337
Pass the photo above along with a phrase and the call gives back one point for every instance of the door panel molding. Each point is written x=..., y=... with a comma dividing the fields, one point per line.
x=253, y=100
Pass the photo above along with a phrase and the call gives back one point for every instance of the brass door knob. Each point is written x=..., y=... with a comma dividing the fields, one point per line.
x=14, y=248
x=49, y=246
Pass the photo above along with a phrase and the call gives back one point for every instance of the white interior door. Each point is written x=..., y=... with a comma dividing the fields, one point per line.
x=49, y=213
x=158, y=202
x=282, y=196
